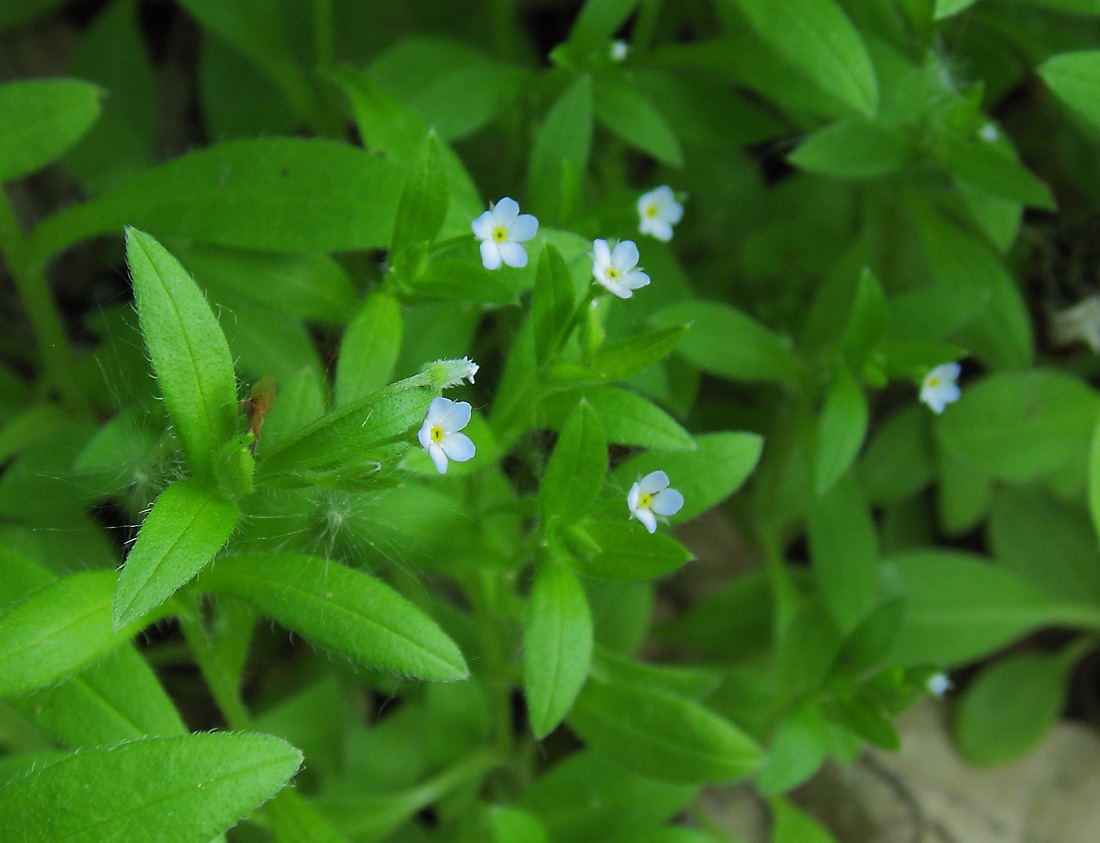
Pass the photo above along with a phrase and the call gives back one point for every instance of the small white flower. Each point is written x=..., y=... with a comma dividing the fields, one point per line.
x=618, y=50
x=939, y=388
x=1078, y=323
x=439, y=435
x=502, y=231
x=614, y=268
x=989, y=133
x=658, y=211
x=652, y=495
x=938, y=684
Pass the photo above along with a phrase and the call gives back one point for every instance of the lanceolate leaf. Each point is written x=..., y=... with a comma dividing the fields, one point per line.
x=42, y=118
x=423, y=203
x=185, y=528
x=617, y=550
x=557, y=645
x=188, y=789
x=369, y=349
x=577, y=467
x=190, y=355
x=841, y=430
x=1075, y=78
x=341, y=609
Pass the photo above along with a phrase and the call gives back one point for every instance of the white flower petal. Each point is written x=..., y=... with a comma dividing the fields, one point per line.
x=615, y=287
x=458, y=446
x=425, y=434
x=634, y=280
x=490, y=254
x=523, y=228
x=455, y=416
x=438, y=457
x=653, y=482
x=647, y=517
x=483, y=226
x=602, y=253
x=625, y=256
x=506, y=210
x=436, y=410
x=633, y=496
x=513, y=254
x=660, y=229
x=668, y=502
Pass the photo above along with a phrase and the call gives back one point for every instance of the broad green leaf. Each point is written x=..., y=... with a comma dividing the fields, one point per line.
x=189, y=788
x=947, y=8
x=369, y=348
x=294, y=821
x=185, y=528
x=577, y=468
x=964, y=494
x=355, y=434
x=116, y=699
x=298, y=402
x=868, y=319
x=13, y=14
x=512, y=825
x=19, y=576
x=466, y=282
x=560, y=151
x=855, y=148
x=798, y=748
x=29, y=426
x=340, y=609
x=1010, y=707
x=993, y=167
x=706, y=476
x=281, y=194
x=869, y=645
x=557, y=646
x=588, y=799
x=661, y=735
x=790, y=825
x=841, y=430
x=305, y=285
x=621, y=613
x=424, y=198
x=42, y=118
x=962, y=608
x=899, y=461
x=552, y=303
x=634, y=118
x=58, y=630
x=1018, y=426
x=253, y=26
x=598, y=21
x=188, y=349
x=844, y=549
x=965, y=264
x=693, y=683
x=112, y=54
x=616, y=550
x=1075, y=79
x=628, y=357
x=726, y=342
x=733, y=623
x=817, y=38
x=630, y=419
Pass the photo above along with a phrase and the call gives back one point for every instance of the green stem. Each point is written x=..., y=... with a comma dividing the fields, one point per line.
x=497, y=680
x=324, y=50
x=223, y=686
x=30, y=282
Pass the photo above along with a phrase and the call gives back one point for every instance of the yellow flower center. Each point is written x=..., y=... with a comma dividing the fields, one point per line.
x=651, y=210
x=612, y=274
x=645, y=500
x=437, y=434
x=934, y=381
x=500, y=234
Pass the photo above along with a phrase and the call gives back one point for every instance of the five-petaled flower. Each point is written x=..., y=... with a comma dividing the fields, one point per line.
x=650, y=497
x=614, y=268
x=938, y=684
x=502, y=231
x=658, y=211
x=939, y=388
x=439, y=435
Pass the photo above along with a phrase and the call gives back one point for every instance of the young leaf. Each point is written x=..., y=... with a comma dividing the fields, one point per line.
x=654, y=733
x=424, y=199
x=557, y=645
x=59, y=629
x=855, y=148
x=630, y=419
x=42, y=118
x=869, y=644
x=841, y=430
x=316, y=196
x=118, y=698
x=899, y=461
x=188, y=788
x=961, y=608
x=598, y=21
x=706, y=476
x=294, y=821
x=1017, y=426
x=341, y=609
x=185, y=528
x=1010, y=707
x=188, y=349
x=561, y=149
x=552, y=303
x=616, y=550
x=844, y=548
x=790, y=825
x=726, y=342
x=577, y=468
x=799, y=747
x=369, y=349
x=1075, y=79
x=817, y=38
x=993, y=167
x=635, y=119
